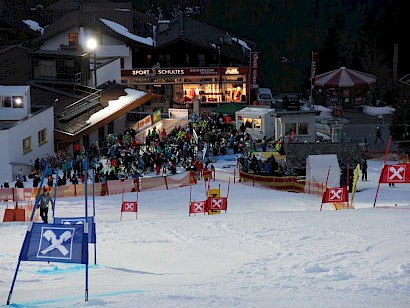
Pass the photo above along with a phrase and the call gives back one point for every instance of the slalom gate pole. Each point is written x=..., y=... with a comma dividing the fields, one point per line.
x=381, y=173
x=95, y=244
x=122, y=202
x=347, y=175
x=229, y=184
x=39, y=192
x=12, y=284
x=93, y=193
x=85, y=167
x=190, y=196
x=327, y=179
x=55, y=194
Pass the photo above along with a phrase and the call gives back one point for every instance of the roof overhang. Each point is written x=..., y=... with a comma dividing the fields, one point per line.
x=68, y=137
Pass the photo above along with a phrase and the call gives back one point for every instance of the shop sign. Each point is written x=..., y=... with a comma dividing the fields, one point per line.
x=186, y=71
x=177, y=113
x=144, y=122
x=232, y=71
x=202, y=71
x=254, y=70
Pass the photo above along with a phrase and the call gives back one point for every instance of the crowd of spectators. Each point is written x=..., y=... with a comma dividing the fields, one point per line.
x=184, y=148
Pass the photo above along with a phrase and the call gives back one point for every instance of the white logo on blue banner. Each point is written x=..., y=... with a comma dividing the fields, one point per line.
x=56, y=243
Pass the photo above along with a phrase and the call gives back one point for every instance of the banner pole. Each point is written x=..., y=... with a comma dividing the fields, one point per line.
x=327, y=179
x=381, y=173
x=93, y=193
x=85, y=167
x=95, y=244
x=12, y=284
x=190, y=196
x=55, y=194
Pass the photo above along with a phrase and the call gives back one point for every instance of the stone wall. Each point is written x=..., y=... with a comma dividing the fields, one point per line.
x=348, y=154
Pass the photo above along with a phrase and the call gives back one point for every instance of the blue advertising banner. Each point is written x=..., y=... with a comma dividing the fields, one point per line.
x=92, y=238
x=55, y=243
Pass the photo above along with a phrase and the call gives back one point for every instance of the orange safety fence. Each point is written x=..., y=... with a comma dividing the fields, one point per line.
x=288, y=183
x=100, y=189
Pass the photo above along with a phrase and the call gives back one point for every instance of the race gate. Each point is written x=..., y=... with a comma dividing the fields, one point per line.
x=129, y=206
x=338, y=196
x=213, y=204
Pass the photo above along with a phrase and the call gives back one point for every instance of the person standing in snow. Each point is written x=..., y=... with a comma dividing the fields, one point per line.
x=364, y=171
x=45, y=200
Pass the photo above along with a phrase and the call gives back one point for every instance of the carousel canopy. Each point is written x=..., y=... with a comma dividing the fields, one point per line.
x=344, y=78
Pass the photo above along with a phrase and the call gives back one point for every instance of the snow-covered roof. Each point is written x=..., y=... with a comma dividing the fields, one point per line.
x=33, y=25
x=124, y=31
x=115, y=105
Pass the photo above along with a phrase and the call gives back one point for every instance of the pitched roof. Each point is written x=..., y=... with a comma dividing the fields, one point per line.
x=201, y=33
x=92, y=20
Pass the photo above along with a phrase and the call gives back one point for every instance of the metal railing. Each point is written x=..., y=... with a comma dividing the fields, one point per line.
x=81, y=105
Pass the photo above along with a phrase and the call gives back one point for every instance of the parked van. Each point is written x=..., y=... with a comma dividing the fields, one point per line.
x=264, y=97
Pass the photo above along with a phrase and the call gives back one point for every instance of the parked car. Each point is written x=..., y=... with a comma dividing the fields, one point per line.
x=287, y=101
x=291, y=102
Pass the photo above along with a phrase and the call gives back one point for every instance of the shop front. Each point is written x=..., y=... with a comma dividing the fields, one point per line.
x=206, y=85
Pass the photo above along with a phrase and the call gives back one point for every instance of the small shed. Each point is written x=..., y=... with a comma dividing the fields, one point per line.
x=260, y=122
x=295, y=126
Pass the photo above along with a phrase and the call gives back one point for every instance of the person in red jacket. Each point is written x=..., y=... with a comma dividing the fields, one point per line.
x=163, y=134
x=76, y=149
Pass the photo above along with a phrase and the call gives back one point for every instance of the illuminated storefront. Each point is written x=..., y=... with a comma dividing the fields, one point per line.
x=212, y=84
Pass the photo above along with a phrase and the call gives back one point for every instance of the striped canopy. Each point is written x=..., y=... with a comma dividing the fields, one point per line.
x=344, y=78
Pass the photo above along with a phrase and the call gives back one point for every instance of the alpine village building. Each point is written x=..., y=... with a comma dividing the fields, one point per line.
x=61, y=81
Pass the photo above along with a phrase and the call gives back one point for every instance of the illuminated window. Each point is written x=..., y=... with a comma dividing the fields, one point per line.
x=26, y=145
x=72, y=39
x=257, y=123
x=247, y=122
x=149, y=58
x=18, y=102
x=42, y=136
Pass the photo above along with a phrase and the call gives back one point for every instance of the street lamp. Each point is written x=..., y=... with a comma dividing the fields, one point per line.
x=92, y=45
x=250, y=76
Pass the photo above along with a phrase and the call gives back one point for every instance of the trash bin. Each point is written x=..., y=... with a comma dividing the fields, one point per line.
x=380, y=119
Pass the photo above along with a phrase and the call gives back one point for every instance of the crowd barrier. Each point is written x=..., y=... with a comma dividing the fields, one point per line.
x=287, y=183
x=29, y=195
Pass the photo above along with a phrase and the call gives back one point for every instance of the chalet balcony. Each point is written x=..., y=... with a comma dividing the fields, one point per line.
x=60, y=78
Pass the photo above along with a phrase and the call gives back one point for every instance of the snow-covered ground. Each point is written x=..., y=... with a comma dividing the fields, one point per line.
x=271, y=249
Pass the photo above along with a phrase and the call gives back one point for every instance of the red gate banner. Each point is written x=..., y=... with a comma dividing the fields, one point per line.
x=129, y=206
x=336, y=194
x=196, y=207
x=219, y=203
x=399, y=173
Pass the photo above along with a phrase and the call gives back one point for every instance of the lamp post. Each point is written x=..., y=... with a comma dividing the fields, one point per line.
x=92, y=44
x=250, y=76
